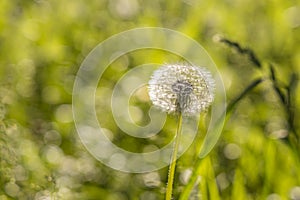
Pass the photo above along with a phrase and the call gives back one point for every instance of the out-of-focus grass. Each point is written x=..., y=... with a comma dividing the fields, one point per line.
x=42, y=44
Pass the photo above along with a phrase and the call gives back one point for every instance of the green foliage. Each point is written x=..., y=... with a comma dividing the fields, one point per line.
x=42, y=44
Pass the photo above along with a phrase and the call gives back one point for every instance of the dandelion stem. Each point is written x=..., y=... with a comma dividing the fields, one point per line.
x=173, y=159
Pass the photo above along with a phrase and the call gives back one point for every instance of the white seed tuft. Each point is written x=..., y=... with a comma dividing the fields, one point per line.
x=182, y=88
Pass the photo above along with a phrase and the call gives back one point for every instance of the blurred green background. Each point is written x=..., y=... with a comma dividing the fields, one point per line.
x=42, y=44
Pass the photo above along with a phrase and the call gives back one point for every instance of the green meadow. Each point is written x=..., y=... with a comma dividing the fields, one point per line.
x=255, y=46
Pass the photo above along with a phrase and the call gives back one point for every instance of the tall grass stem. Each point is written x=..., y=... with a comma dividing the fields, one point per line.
x=173, y=159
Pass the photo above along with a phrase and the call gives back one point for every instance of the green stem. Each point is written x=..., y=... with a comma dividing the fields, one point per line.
x=173, y=159
x=188, y=188
x=248, y=89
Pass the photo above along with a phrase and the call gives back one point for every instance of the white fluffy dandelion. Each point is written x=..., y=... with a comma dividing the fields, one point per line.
x=182, y=88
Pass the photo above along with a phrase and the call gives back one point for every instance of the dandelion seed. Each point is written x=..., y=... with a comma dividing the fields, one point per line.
x=182, y=88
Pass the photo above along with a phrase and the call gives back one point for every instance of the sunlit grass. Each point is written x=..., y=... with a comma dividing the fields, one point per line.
x=42, y=46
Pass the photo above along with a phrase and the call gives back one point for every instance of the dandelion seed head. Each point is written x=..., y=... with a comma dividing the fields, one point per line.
x=181, y=88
